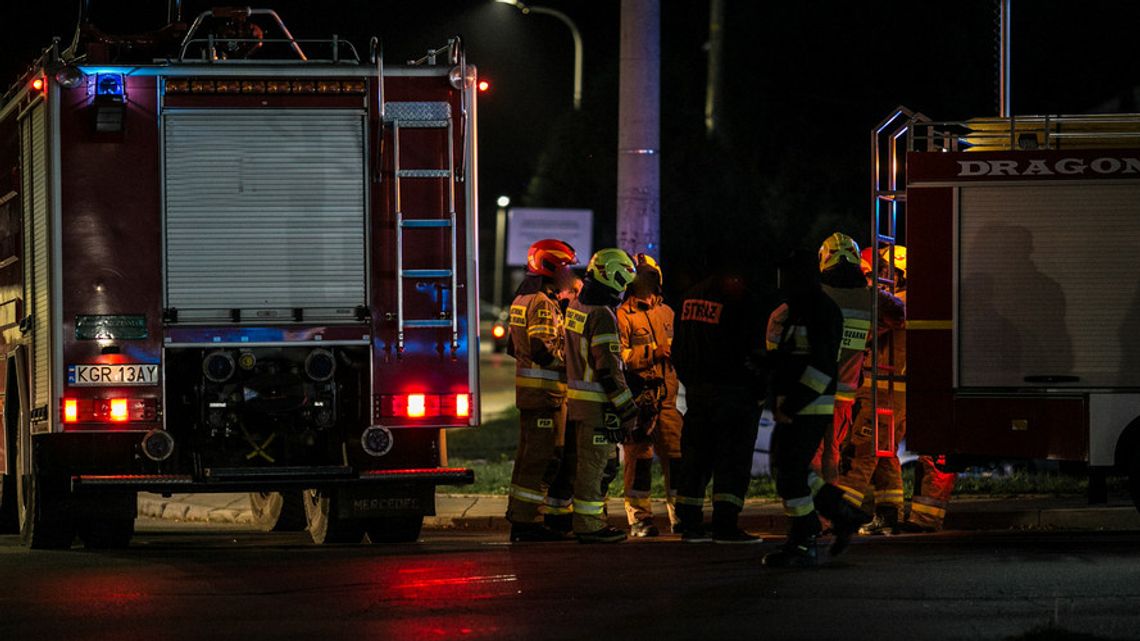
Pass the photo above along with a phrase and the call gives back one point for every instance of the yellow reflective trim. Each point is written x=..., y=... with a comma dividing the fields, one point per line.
x=855, y=332
x=540, y=383
x=626, y=353
x=855, y=494
x=526, y=494
x=542, y=330
x=688, y=500
x=518, y=315
x=936, y=512
x=815, y=482
x=604, y=339
x=728, y=498
x=621, y=399
x=823, y=405
x=588, y=507
x=799, y=506
x=583, y=395
x=550, y=509
x=929, y=324
x=815, y=380
x=638, y=502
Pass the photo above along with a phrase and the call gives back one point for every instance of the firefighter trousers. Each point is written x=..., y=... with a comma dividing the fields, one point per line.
x=579, y=486
x=803, y=491
x=535, y=462
x=827, y=457
x=866, y=476
x=933, y=488
x=717, y=440
x=665, y=442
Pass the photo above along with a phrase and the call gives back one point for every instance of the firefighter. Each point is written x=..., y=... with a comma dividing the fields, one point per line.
x=645, y=324
x=540, y=385
x=716, y=337
x=844, y=281
x=601, y=407
x=868, y=476
x=804, y=336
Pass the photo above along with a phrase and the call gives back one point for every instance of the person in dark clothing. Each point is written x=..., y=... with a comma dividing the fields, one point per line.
x=717, y=331
x=804, y=335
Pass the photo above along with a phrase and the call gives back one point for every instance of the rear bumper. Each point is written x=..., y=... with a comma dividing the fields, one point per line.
x=270, y=479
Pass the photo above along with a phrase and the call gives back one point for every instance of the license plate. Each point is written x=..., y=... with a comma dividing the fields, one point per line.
x=126, y=374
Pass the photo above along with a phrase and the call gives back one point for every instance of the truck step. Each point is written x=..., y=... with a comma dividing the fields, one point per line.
x=418, y=114
x=426, y=273
x=423, y=173
x=427, y=323
x=420, y=223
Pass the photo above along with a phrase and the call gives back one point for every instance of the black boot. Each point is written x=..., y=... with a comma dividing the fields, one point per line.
x=534, y=533
x=845, y=518
x=800, y=549
x=561, y=523
x=886, y=521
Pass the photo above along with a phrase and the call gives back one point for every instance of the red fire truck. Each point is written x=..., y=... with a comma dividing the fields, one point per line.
x=235, y=261
x=1023, y=320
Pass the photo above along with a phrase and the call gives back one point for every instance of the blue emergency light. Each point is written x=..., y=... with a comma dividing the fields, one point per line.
x=109, y=84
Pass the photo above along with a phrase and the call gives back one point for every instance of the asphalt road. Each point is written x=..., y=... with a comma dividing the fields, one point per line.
x=182, y=581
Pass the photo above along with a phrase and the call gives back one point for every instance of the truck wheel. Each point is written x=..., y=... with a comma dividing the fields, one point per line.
x=9, y=519
x=395, y=529
x=44, y=520
x=107, y=534
x=278, y=511
x=325, y=525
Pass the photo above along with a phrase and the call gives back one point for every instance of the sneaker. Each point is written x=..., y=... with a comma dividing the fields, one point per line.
x=736, y=536
x=643, y=529
x=794, y=554
x=605, y=535
x=695, y=534
x=878, y=527
x=534, y=533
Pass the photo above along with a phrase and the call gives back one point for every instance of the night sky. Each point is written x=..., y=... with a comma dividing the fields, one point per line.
x=805, y=80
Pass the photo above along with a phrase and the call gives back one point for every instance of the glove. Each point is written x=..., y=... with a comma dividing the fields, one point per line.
x=611, y=428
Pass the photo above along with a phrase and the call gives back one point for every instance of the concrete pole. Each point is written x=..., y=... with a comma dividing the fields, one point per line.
x=639, y=130
x=716, y=52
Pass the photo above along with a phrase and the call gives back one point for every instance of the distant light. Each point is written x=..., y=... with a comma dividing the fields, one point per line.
x=498, y=331
x=510, y=2
x=484, y=85
x=503, y=201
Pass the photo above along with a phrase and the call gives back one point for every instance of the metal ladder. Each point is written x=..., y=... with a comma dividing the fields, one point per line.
x=424, y=115
x=888, y=201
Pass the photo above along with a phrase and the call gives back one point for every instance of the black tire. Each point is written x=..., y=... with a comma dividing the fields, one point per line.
x=395, y=529
x=278, y=511
x=107, y=534
x=9, y=513
x=44, y=521
x=325, y=526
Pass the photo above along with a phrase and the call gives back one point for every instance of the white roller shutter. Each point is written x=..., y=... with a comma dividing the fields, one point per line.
x=37, y=244
x=265, y=213
x=1049, y=285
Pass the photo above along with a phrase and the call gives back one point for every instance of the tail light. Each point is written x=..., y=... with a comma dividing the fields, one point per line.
x=109, y=410
x=498, y=331
x=425, y=406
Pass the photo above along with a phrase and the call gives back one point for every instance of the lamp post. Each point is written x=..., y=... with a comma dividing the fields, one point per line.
x=500, y=248
x=525, y=8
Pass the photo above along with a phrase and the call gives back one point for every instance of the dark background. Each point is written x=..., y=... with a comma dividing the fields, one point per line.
x=804, y=84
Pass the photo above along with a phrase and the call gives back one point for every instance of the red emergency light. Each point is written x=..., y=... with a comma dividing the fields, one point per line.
x=484, y=86
x=38, y=84
x=426, y=406
x=109, y=410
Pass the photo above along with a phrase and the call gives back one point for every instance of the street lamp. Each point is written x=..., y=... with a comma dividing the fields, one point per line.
x=525, y=8
x=500, y=248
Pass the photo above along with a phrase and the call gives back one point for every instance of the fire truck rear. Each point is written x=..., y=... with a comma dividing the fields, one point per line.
x=234, y=260
x=1023, y=299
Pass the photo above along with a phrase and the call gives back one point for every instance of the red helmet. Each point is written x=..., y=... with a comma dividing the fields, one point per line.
x=546, y=256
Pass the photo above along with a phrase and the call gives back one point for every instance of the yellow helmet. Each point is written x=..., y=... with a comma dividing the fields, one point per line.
x=647, y=261
x=838, y=247
x=613, y=268
x=900, y=257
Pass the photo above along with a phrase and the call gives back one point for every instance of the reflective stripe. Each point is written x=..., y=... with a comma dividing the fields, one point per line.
x=554, y=502
x=844, y=395
x=604, y=339
x=890, y=497
x=936, y=512
x=621, y=399
x=688, y=500
x=815, y=482
x=586, y=386
x=851, y=495
x=626, y=353
x=518, y=316
x=728, y=498
x=638, y=502
x=556, y=506
x=637, y=494
x=542, y=330
x=539, y=383
x=815, y=380
x=580, y=395
x=799, y=507
x=824, y=405
x=929, y=324
x=534, y=372
x=588, y=507
x=926, y=500
x=526, y=494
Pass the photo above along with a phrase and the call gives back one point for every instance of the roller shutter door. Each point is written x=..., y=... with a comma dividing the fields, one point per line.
x=265, y=214
x=1049, y=285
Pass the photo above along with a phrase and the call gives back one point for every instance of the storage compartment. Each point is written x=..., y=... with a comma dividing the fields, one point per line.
x=1022, y=426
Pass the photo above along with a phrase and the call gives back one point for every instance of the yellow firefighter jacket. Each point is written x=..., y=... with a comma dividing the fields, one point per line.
x=593, y=363
x=537, y=342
